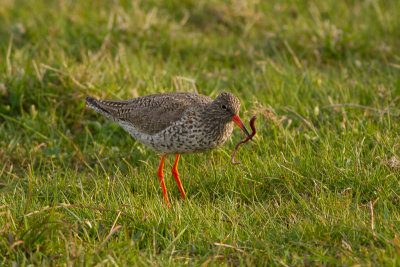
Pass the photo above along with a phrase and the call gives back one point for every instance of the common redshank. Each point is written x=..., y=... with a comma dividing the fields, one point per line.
x=174, y=123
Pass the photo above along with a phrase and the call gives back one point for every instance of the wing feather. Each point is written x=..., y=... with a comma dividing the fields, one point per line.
x=150, y=114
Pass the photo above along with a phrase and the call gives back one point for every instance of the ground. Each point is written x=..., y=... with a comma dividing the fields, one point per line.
x=318, y=186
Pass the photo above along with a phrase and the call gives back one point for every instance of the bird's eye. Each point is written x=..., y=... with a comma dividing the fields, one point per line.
x=223, y=107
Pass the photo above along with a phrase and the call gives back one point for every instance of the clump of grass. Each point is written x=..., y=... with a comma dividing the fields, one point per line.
x=318, y=186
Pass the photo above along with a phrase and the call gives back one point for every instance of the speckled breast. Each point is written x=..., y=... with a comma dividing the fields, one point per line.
x=183, y=138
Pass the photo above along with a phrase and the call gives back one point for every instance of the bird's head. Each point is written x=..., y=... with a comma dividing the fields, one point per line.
x=226, y=106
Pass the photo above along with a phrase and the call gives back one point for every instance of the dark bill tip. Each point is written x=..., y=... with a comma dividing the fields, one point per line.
x=239, y=122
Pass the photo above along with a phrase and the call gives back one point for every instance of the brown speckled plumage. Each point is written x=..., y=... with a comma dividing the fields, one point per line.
x=175, y=123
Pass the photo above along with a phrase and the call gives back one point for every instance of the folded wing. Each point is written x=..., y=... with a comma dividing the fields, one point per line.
x=149, y=114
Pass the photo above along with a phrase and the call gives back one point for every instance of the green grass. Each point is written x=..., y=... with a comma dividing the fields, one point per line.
x=76, y=189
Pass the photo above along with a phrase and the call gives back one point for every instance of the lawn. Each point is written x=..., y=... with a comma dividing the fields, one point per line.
x=318, y=186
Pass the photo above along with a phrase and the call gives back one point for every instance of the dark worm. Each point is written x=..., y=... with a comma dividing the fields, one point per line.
x=253, y=128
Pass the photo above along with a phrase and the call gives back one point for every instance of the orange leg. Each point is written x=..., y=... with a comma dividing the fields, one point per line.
x=160, y=174
x=176, y=175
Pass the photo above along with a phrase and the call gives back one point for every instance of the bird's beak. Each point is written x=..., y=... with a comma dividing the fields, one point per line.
x=239, y=122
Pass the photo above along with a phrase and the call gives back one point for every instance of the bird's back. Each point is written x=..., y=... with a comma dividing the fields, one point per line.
x=148, y=114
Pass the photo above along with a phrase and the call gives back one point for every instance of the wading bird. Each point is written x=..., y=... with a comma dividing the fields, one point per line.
x=174, y=123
